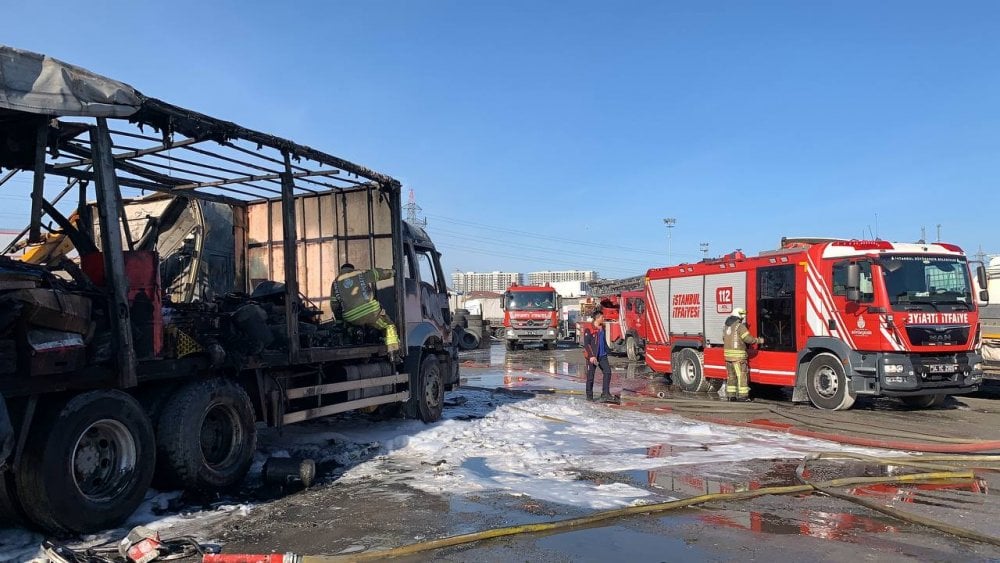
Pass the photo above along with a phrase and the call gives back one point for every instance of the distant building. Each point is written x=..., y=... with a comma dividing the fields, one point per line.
x=569, y=289
x=466, y=282
x=6, y=236
x=541, y=278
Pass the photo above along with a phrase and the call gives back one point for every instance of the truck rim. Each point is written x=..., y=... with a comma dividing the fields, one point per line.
x=827, y=383
x=432, y=387
x=104, y=460
x=221, y=435
x=688, y=372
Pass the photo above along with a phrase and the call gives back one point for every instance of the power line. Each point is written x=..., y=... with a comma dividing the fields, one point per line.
x=494, y=244
x=532, y=234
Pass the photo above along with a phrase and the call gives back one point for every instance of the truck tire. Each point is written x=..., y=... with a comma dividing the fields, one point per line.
x=688, y=373
x=207, y=436
x=551, y=345
x=510, y=345
x=632, y=349
x=500, y=332
x=427, y=400
x=468, y=340
x=924, y=401
x=88, y=464
x=827, y=384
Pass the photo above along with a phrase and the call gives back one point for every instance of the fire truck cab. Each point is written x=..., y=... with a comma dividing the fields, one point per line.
x=531, y=316
x=839, y=319
x=625, y=319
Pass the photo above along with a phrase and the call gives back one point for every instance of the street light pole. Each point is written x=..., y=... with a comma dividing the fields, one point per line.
x=670, y=222
x=704, y=249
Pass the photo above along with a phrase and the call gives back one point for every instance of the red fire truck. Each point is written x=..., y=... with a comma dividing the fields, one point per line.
x=625, y=319
x=531, y=316
x=839, y=319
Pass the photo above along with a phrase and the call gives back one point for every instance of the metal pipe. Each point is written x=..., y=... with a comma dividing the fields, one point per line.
x=289, y=233
x=109, y=209
x=38, y=185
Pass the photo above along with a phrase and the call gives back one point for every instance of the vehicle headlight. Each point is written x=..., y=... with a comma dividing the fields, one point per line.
x=552, y=331
x=510, y=332
x=895, y=379
x=893, y=368
x=977, y=367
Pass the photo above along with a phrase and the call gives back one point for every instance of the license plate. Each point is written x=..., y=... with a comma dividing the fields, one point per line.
x=942, y=368
x=531, y=333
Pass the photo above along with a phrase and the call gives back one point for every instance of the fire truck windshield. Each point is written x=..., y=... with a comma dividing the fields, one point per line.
x=531, y=300
x=924, y=283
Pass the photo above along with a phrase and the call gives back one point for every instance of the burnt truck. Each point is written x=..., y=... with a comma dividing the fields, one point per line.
x=172, y=291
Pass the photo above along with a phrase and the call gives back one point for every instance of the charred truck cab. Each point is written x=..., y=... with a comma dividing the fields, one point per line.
x=151, y=331
x=839, y=319
x=531, y=316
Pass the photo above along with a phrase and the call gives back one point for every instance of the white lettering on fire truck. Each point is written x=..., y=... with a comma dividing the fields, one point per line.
x=686, y=306
x=937, y=318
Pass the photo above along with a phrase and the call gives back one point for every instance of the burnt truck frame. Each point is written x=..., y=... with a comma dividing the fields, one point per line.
x=80, y=447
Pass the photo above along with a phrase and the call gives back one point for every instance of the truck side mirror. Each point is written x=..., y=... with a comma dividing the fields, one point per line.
x=853, y=282
x=981, y=277
x=503, y=301
x=984, y=297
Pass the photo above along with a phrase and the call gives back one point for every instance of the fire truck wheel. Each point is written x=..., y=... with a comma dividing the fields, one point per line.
x=510, y=346
x=427, y=400
x=87, y=464
x=924, y=401
x=551, y=345
x=207, y=436
x=632, y=349
x=827, y=384
x=688, y=373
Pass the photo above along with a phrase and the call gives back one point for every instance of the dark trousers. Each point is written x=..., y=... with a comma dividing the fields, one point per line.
x=592, y=371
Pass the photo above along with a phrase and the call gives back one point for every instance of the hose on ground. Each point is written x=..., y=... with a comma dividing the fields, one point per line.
x=607, y=515
x=944, y=527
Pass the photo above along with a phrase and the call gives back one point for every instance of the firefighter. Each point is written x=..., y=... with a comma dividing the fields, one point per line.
x=354, y=292
x=736, y=338
x=595, y=350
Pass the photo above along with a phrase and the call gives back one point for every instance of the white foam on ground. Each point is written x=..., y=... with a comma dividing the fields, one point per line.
x=538, y=447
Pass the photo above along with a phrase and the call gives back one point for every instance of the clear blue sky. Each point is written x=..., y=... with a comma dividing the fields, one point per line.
x=591, y=121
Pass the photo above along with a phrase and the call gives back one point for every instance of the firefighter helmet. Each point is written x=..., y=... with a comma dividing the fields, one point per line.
x=740, y=312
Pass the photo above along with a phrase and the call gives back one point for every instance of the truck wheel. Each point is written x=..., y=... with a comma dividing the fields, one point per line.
x=87, y=465
x=510, y=346
x=688, y=372
x=827, y=385
x=207, y=436
x=551, y=345
x=632, y=349
x=924, y=401
x=427, y=400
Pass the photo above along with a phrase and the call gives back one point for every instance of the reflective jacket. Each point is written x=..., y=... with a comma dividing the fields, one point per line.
x=354, y=293
x=736, y=337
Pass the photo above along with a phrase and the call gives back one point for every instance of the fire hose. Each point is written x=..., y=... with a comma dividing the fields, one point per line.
x=933, y=473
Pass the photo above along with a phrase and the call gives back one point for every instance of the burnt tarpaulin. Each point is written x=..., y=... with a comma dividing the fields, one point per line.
x=35, y=83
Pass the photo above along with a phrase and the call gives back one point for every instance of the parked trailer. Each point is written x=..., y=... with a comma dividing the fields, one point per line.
x=115, y=365
x=839, y=319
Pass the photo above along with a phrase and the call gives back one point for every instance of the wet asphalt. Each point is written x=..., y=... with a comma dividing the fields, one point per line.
x=333, y=518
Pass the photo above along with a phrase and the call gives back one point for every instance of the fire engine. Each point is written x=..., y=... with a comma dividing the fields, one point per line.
x=531, y=316
x=839, y=318
x=625, y=322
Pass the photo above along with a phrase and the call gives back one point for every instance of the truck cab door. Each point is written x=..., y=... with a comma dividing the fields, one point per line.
x=433, y=293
